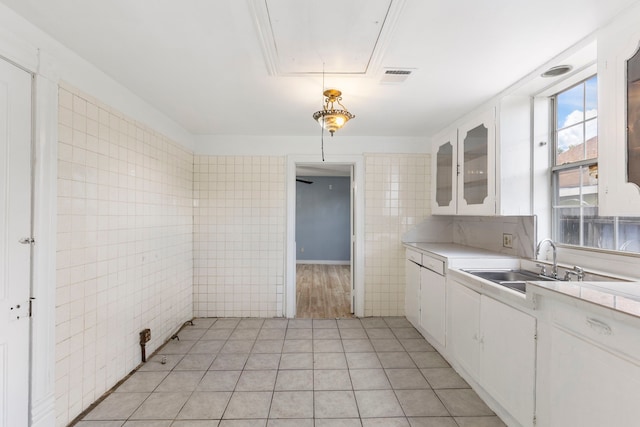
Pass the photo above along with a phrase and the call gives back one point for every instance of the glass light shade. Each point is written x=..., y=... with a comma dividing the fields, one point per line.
x=330, y=118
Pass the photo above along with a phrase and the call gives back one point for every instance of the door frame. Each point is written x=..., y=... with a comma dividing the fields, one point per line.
x=44, y=155
x=357, y=257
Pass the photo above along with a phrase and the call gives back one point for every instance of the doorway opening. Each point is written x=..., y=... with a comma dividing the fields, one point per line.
x=325, y=236
x=324, y=230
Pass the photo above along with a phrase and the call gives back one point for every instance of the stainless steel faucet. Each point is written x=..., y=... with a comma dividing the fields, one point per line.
x=554, y=271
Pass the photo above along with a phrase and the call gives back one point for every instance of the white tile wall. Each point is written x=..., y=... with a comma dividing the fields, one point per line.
x=125, y=236
x=239, y=236
x=396, y=199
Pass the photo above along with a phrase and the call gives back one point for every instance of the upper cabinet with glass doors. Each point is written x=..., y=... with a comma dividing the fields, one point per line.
x=483, y=167
x=619, y=128
x=463, y=180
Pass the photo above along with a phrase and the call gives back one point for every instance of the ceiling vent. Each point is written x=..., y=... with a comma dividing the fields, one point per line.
x=396, y=75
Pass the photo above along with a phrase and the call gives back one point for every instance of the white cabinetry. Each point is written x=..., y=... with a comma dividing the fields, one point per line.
x=495, y=344
x=425, y=301
x=463, y=180
x=432, y=304
x=412, y=288
x=589, y=369
x=483, y=167
x=618, y=166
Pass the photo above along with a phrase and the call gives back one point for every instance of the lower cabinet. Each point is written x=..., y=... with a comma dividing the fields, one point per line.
x=412, y=292
x=591, y=370
x=496, y=345
x=432, y=304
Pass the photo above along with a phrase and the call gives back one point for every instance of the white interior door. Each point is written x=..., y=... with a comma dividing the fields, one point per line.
x=15, y=257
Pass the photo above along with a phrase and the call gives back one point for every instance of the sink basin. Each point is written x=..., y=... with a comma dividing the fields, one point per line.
x=512, y=279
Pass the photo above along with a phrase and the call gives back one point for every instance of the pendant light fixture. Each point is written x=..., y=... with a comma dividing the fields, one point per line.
x=330, y=117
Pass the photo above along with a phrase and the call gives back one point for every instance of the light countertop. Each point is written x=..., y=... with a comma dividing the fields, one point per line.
x=620, y=296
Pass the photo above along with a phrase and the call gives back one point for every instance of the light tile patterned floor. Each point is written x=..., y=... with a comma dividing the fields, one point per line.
x=295, y=373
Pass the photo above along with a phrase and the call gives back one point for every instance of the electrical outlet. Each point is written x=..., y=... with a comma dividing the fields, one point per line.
x=507, y=240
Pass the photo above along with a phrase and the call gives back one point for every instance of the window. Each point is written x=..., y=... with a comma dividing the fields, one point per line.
x=575, y=176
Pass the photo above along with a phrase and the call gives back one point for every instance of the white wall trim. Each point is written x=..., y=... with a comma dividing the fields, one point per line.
x=42, y=411
x=357, y=258
x=322, y=262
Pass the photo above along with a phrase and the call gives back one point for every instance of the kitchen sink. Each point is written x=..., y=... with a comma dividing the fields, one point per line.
x=512, y=279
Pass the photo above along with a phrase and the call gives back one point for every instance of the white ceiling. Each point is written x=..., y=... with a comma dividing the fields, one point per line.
x=205, y=64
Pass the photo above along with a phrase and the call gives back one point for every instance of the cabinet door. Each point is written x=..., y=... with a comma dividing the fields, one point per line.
x=476, y=157
x=591, y=386
x=432, y=304
x=508, y=358
x=463, y=334
x=412, y=293
x=444, y=161
x=619, y=122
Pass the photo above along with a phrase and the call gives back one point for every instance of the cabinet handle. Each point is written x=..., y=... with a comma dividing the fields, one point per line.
x=598, y=326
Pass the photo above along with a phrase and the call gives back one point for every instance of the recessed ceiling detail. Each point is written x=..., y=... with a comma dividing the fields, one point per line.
x=343, y=37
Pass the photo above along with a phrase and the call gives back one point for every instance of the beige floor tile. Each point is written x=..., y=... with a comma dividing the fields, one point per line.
x=385, y=422
x=142, y=381
x=369, y=379
x=331, y=379
x=363, y=360
x=268, y=346
x=353, y=333
x=229, y=362
x=357, y=345
x=329, y=361
x=444, y=378
x=491, y=421
x=180, y=381
x=196, y=362
x=408, y=379
x=428, y=359
x=432, y=422
x=117, y=406
x=161, y=406
x=463, y=402
x=396, y=359
x=326, y=334
x=335, y=404
x=297, y=346
x=294, y=380
x=387, y=345
x=421, y=403
x=380, y=333
x=219, y=381
x=257, y=381
x=292, y=404
x=249, y=405
x=378, y=404
x=296, y=361
x=327, y=346
x=205, y=405
x=262, y=361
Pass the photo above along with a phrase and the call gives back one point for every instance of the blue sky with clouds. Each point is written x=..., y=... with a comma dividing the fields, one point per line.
x=571, y=107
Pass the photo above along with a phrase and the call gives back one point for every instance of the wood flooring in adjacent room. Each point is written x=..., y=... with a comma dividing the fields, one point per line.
x=323, y=291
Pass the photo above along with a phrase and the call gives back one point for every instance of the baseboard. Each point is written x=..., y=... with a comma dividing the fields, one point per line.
x=304, y=261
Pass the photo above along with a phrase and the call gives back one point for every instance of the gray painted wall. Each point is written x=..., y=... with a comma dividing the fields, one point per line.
x=323, y=219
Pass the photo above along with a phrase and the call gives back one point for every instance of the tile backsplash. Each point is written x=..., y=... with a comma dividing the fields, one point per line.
x=124, y=250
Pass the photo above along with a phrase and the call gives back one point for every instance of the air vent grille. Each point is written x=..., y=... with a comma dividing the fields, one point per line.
x=396, y=75
x=398, y=72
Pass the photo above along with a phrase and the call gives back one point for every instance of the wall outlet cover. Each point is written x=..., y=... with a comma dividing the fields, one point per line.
x=507, y=240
